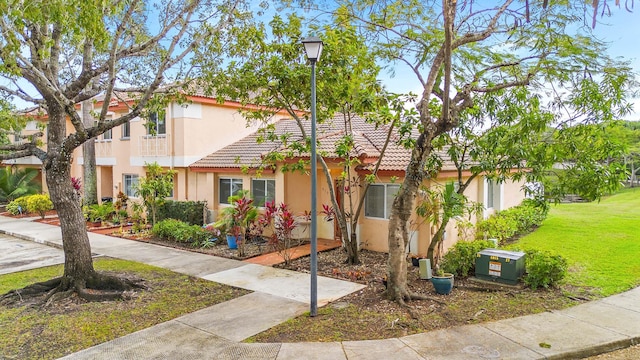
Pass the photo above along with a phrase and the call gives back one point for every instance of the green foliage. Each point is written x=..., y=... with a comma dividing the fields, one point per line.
x=100, y=212
x=461, y=259
x=236, y=219
x=17, y=205
x=39, y=203
x=15, y=182
x=191, y=212
x=544, y=269
x=179, y=231
x=155, y=187
x=513, y=221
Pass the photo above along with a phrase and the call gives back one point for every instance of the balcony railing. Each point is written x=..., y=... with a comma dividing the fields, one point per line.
x=149, y=145
x=103, y=148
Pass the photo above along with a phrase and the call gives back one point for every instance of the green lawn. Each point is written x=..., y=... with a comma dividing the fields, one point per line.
x=70, y=325
x=601, y=241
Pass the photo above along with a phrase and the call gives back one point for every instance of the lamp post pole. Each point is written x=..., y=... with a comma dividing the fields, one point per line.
x=314, y=200
x=313, y=48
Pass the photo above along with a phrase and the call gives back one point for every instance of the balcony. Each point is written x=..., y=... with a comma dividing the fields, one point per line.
x=149, y=145
x=103, y=148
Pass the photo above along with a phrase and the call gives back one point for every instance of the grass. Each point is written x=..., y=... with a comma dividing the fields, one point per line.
x=73, y=325
x=600, y=240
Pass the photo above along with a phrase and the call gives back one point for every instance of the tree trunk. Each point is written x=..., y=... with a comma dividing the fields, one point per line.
x=90, y=181
x=398, y=223
x=78, y=266
x=352, y=246
x=436, y=240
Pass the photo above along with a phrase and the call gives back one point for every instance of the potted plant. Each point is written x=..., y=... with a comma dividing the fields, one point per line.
x=442, y=282
x=236, y=220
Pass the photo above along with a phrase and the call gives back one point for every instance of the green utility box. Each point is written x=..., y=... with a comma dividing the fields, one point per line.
x=499, y=265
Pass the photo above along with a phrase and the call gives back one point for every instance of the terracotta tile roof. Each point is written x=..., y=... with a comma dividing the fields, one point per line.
x=368, y=142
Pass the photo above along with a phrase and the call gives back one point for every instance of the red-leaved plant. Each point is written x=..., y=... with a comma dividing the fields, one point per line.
x=77, y=185
x=282, y=223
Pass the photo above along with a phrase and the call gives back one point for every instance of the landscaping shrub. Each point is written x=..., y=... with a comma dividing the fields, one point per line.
x=461, y=259
x=191, y=212
x=517, y=220
x=20, y=203
x=39, y=203
x=544, y=269
x=179, y=231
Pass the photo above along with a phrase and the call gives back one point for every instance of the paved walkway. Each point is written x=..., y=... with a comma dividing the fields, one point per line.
x=216, y=332
x=274, y=258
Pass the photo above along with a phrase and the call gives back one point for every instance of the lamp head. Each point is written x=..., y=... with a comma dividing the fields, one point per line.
x=313, y=48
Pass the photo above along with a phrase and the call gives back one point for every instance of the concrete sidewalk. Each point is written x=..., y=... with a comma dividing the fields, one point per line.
x=215, y=332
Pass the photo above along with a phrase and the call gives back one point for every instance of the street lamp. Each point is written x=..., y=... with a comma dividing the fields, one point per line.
x=313, y=48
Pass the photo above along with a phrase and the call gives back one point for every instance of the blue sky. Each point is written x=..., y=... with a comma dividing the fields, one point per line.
x=621, y=31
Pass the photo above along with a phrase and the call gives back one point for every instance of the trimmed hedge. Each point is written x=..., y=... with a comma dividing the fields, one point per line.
x=191, y=212
x=514, y=221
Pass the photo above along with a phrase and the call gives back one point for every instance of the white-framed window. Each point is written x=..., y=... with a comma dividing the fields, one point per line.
x=157, y=123
x=107, y=135
x=492, y=193
x=126, y=130
x=228, y=187
x=130, y=182
x=262, y=191
x=379, y=200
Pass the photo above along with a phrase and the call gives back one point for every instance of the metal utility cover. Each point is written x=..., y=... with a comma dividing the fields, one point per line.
x=500, y=265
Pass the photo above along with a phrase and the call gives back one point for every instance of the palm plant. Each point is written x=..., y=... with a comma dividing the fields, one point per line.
x=15, y=183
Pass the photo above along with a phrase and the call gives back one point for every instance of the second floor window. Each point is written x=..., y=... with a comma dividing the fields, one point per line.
x=126, y=130
x=157, y=123
x=107, y=135
x=262, y=191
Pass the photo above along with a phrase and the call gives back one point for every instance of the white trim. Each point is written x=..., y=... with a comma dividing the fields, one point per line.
x=385, y=215
x=26, y=160
x=165, y=161
x=217, y=184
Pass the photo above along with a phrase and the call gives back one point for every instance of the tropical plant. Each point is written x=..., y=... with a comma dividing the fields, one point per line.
x=155, y=187
x=237, y=218
x=281, y=222
x=439, y=206
x=101, y=212
x=121, y=202
x=15, y=183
